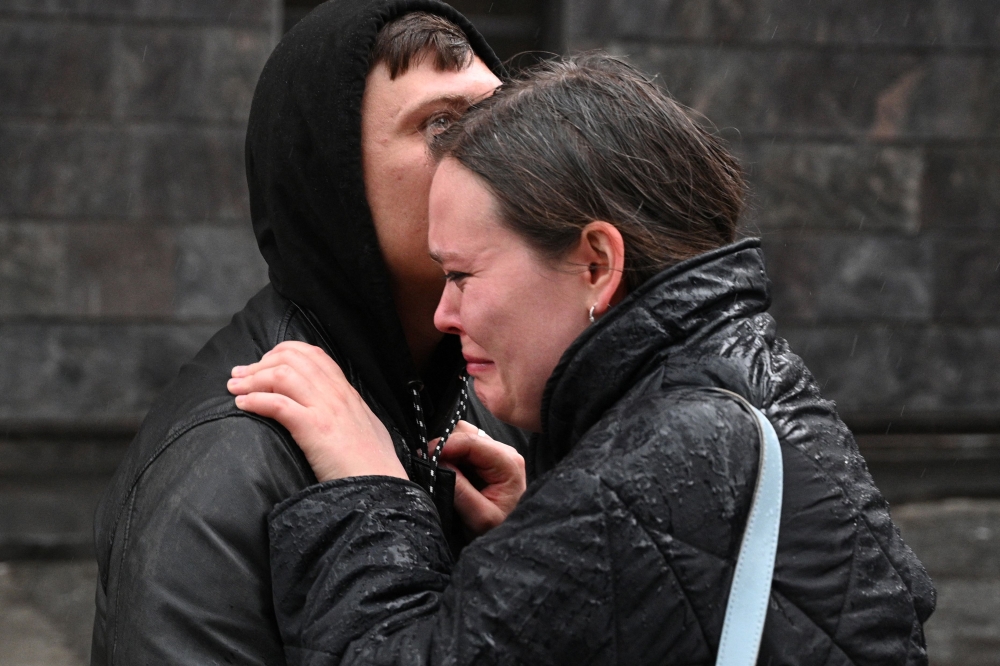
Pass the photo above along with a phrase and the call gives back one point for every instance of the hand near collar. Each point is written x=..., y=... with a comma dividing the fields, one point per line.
x=303, y=389
x=498, y=471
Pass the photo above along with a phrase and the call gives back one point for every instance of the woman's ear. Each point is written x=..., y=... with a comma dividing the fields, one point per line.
x=602, y=250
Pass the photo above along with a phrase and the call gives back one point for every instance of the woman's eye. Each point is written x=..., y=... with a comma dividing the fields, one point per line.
x=455, y=277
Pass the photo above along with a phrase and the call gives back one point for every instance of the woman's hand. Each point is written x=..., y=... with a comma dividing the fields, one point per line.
x=498, y=466
x=303, y=389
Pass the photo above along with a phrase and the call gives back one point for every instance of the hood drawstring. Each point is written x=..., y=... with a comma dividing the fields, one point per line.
x=418, y=410
x=463, y=399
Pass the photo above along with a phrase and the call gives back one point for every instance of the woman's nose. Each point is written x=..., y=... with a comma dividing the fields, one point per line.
x=446, y=317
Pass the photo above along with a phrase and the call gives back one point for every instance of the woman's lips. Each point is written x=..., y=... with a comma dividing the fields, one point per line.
x=477, y=366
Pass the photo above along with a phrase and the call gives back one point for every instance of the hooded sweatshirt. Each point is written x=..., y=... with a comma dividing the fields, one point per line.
x=181, y=532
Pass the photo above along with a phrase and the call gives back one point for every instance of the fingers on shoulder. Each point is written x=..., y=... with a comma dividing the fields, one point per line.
x=304, y=355
x=275, y=406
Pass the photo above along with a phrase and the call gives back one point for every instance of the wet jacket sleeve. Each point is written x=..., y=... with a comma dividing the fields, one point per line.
x=362, y=575
x=188, y=580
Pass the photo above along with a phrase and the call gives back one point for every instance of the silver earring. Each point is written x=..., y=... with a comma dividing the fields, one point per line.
x=591, y=313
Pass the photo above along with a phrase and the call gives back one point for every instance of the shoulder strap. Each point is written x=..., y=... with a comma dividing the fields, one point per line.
x=751, y=588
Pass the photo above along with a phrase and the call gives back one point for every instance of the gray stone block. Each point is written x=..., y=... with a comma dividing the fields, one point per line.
x=916, y=376
x=953, y=96
x=89, y=375
x=48, y=171
x=189, y=175
x=968, y=23
x=836, y=277
x=56, y=69
x=921, y=467
x=119, y=271
x=47, y=612
x=963, y=631
x=49, y=455
x=217, y=271
x=33, y=270
x=68, y=70
x=967, y=277
x=52, y=517
x=921, y=480
x=86, y=270
x=260, y=12
x=961, y=189
x=958, y=540
x=194, y=73
x=955, y=538
x=830, y=94
x=816, y=185
x=145, y=173
x=263, y=13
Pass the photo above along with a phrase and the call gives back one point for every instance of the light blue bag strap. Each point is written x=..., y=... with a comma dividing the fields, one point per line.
x=751, y=589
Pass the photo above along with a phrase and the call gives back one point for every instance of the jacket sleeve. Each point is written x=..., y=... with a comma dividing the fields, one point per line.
x=363, y=575
x=188, y=580
x=605, y=560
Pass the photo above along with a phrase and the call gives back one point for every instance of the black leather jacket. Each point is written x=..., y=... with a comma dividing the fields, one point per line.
x=622, y=552
x=181, y=533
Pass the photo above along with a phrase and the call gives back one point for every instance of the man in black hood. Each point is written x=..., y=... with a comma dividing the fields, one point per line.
x=339, y=174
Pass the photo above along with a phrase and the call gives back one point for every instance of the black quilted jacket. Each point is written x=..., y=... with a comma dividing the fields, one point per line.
x=622, y=550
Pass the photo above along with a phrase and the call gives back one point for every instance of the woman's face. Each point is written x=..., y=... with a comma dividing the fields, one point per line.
x=515, y=312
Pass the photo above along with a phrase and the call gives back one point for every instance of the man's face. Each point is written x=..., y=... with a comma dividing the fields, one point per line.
x=399, y=117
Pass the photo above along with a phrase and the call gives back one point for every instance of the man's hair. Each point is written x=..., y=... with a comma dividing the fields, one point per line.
x=591, y=138
x=405, y=41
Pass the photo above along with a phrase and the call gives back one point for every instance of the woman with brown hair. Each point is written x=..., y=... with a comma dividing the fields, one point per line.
x=587, y=229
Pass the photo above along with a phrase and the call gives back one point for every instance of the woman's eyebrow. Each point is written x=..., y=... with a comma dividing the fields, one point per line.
x=441, y=257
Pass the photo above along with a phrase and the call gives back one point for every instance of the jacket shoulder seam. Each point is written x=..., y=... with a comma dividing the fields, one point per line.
x=172, y=436
x=121, y=564
x=286, y=320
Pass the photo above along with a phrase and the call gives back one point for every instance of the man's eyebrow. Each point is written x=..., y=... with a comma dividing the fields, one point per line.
x=418, y=112
x=454, y=101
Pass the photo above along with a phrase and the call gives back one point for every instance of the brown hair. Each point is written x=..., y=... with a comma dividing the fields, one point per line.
x=411, y=37
x=590, y=138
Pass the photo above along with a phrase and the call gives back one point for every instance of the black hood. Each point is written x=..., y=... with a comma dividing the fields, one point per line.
x=307, y=194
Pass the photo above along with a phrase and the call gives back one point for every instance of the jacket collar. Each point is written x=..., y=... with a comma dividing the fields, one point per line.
x=682, y=304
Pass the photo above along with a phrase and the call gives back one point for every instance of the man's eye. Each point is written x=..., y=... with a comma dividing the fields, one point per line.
x=453, y=276
x=438, y=124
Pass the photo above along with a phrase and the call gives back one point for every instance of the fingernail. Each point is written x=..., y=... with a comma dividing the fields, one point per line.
x=482, y=433
x=239, y=401
x=238, y=370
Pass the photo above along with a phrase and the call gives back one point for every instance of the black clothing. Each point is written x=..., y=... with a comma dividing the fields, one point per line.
x=622, y=551
x=307, y=191
x=181, y=533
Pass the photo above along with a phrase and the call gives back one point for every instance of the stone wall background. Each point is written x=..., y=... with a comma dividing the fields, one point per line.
x=871, y=131
x=124, y=235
